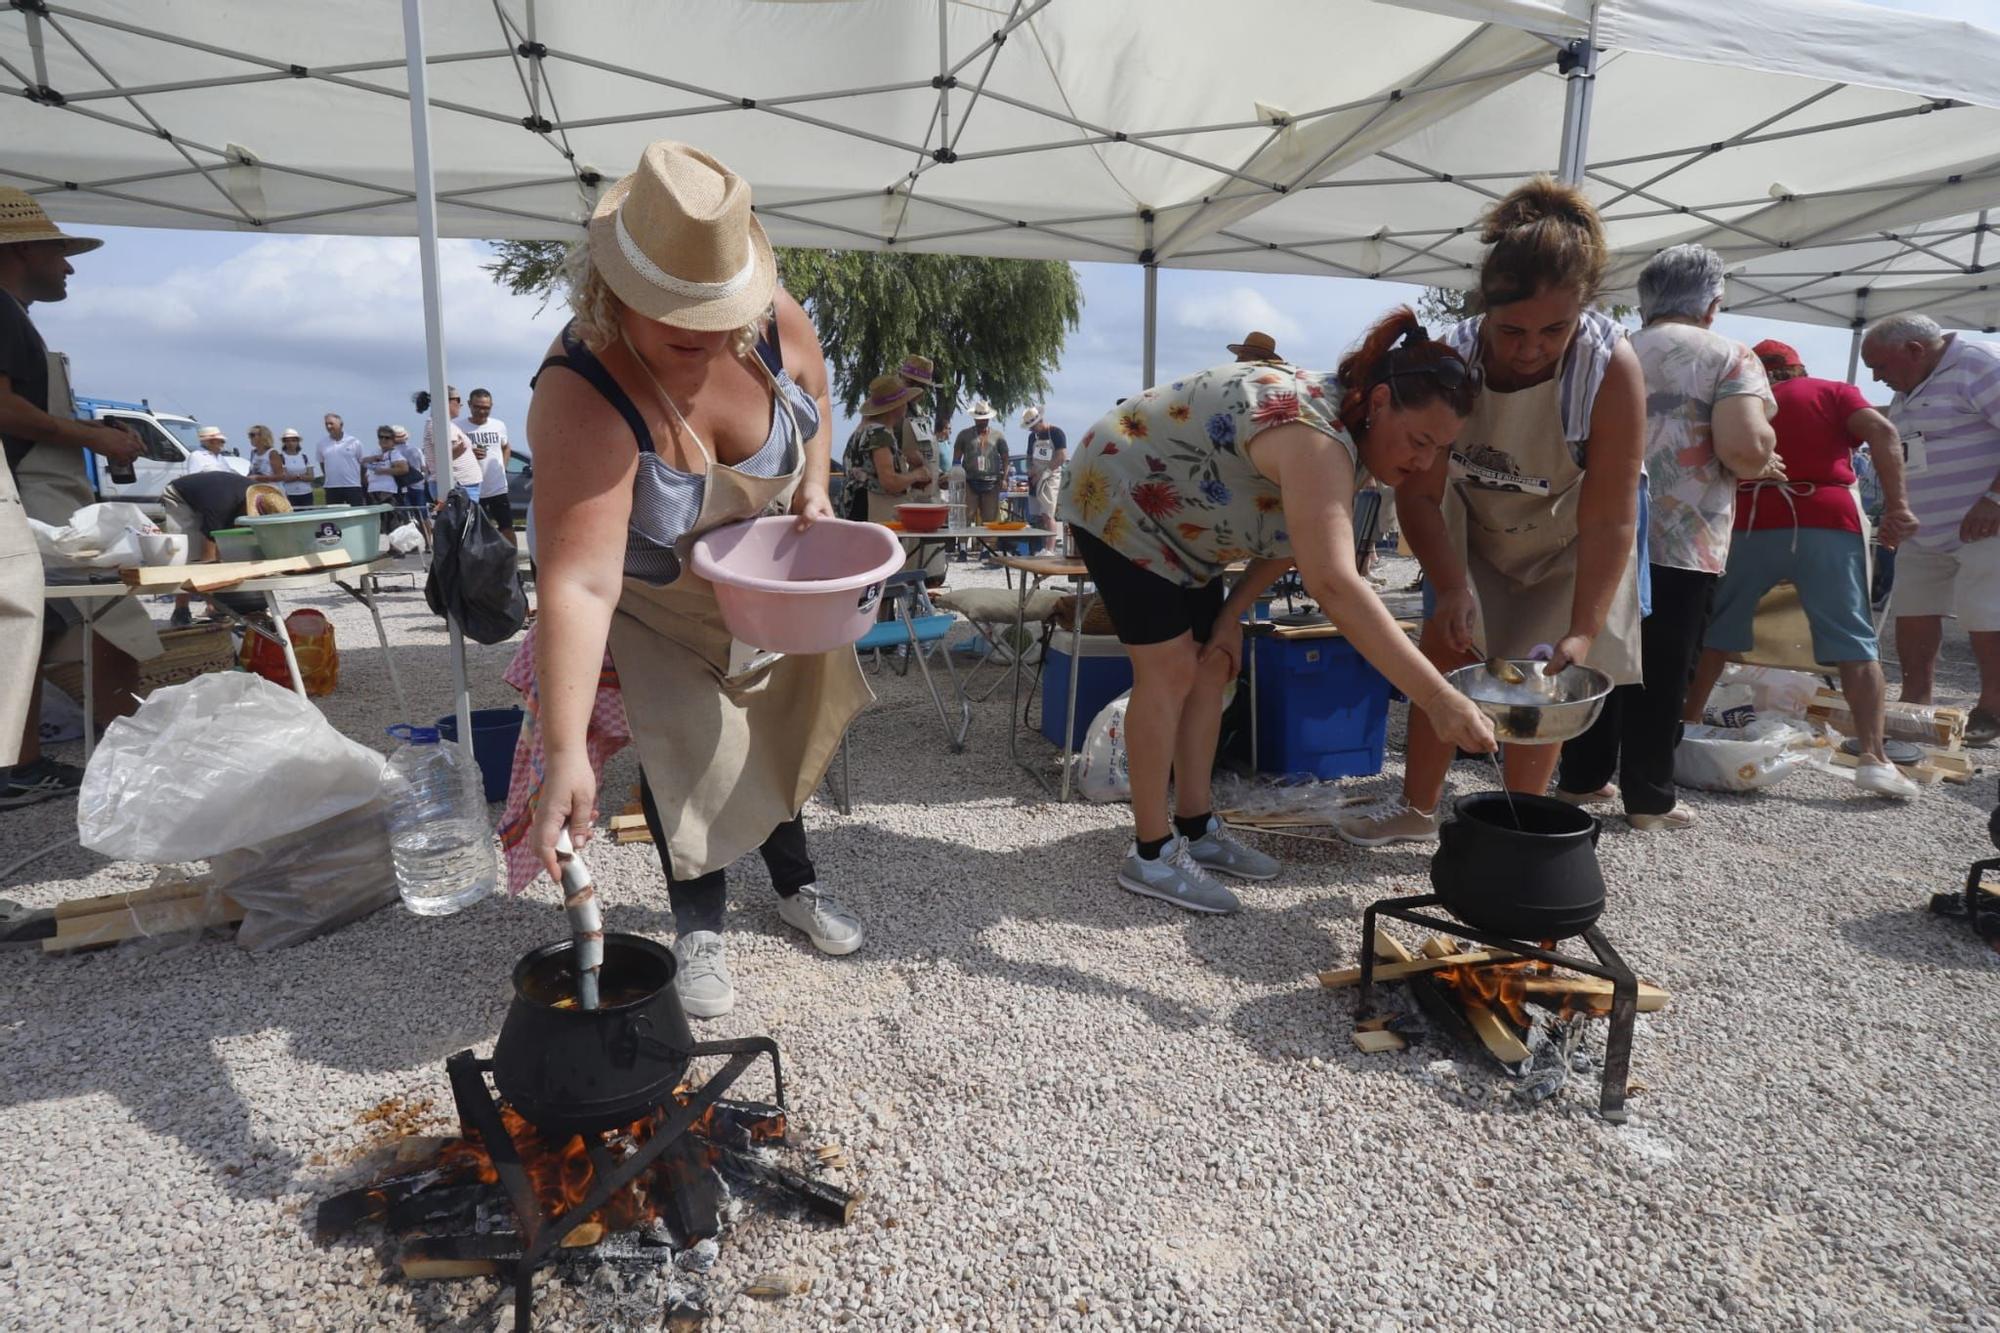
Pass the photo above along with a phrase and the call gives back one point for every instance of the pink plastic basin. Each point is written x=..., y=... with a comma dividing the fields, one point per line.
x=788, y=591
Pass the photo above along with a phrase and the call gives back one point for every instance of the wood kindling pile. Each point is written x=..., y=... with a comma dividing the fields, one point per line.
x=1543, y=985
x=163, y=909
x=450, y=1218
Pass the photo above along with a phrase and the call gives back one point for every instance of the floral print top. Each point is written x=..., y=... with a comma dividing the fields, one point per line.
x=859, y=460
x=1689, y=369
x=1165, y=479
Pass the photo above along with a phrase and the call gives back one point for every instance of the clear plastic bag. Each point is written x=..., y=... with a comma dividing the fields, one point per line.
x=1750, y=758
x=407, y=539
x=227, y=760
x=309, y=882
x=101, y=536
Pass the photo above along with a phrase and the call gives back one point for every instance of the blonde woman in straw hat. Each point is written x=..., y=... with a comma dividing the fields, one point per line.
x=34, y=266
x=687, y=391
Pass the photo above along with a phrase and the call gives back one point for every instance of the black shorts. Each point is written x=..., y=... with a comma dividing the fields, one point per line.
x=499, y=508
x=1145, y=608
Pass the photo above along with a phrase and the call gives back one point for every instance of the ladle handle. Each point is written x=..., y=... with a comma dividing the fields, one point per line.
x=586, y=920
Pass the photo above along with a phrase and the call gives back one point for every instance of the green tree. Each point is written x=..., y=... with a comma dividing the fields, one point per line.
x=994, y=328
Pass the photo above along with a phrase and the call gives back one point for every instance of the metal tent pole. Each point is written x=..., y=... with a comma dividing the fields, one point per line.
x=1860, y=328
x=1578, y=63
x=427, y=242
x=1152, y=336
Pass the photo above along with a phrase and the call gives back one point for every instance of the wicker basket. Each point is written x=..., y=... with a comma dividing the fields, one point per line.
x=185, y=654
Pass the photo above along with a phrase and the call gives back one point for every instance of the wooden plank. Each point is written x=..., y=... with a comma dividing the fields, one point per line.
x=1593, y=992
x=218, y=574
x=1924, y=773
x=1374, y=1041
x=1389, y=947
x=1392, y=971
x=619, y=823
x=109, y=902
x=163, y=918
x=625, y=835
x=1925, y=724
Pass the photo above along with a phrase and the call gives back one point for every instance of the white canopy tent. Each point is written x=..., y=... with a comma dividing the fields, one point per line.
x=1316, y=136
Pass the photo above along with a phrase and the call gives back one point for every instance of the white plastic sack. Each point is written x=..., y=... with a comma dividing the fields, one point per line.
x=227, y=760
x=310, y=882
x=1733, y=705
x=101, y=536
x=1760, y=755
x=407, y=539
x=1102, y=773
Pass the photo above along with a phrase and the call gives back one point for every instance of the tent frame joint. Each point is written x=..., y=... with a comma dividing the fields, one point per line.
x=532, y=50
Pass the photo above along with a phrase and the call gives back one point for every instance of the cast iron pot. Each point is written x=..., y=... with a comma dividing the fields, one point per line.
x=1539, y=881
x=570, y=1071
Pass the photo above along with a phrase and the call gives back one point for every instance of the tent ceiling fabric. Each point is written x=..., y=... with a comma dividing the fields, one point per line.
x=1329, y=136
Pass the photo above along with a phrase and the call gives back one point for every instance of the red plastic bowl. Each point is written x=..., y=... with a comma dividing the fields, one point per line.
x=922, y=518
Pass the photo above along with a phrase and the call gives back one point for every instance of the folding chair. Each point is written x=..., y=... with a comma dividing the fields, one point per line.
x=992, y=611
x=923, y=633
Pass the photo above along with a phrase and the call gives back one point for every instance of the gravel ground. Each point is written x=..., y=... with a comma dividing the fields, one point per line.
x=1071, y=1107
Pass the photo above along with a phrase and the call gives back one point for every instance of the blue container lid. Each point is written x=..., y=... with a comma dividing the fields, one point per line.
x=403, y=731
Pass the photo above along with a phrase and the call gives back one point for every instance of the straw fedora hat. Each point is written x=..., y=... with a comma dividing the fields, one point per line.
x=886, y=393
x=22, y=220
x=264, y=498
x=982, y=411
x=675, y=240
x=1257, y=345
x=918, y=370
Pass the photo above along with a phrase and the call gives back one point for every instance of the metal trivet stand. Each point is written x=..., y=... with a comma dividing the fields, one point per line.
x=1607, y=965
x=479, y=1110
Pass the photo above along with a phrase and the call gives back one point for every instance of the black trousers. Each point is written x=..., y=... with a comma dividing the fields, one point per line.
x=346, y=495
x=1636, y=733
x=699, y=903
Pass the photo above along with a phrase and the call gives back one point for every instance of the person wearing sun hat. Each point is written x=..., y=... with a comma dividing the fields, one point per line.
x=1258, y=346
x=687, y=391
x=917, y=433
x=981, y=450
x=879, y=474
x=34, y=266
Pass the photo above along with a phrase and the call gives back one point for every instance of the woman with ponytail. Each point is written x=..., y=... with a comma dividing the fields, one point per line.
x=1255, y=461
x=1527, y=528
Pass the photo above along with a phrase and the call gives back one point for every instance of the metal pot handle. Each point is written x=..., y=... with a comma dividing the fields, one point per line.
x=637, y=1030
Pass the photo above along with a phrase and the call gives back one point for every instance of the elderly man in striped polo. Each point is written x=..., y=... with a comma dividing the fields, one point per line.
x=1947, y=408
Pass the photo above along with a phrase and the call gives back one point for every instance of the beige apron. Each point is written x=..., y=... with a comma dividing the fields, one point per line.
x=732, y=741
x=20, y=617
x=1511, y=506
x=54, y=486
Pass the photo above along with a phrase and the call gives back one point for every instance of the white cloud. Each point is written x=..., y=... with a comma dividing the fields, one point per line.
x=1235, y=311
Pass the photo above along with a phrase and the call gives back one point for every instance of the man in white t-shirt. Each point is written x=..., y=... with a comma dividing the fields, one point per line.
x=208, y=458
x=340, y=464
x=491, y=447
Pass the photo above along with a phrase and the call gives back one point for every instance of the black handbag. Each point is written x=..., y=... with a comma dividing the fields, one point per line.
x=475, y=573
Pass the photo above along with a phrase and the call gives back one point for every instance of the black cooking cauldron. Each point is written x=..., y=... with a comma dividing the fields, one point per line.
x=1537, y=880
x=573, y=1071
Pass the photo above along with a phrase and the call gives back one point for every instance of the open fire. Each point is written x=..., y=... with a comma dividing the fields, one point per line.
x=447, y=1206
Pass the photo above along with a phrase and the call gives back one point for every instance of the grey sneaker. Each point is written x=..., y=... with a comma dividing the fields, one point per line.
x=1175, y=878
x=1217, y=849
x=832, y=927
x=702, y=975
x=1380, y=822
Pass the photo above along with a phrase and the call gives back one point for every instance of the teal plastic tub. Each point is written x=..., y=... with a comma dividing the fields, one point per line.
x=236, y=544
x=357, y=528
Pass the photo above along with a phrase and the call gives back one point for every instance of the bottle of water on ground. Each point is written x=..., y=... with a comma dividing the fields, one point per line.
x=438, y=834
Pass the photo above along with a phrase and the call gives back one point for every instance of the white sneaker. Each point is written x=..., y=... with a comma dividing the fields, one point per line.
x=831, y=927
x=1885, y=780
x=701, y=975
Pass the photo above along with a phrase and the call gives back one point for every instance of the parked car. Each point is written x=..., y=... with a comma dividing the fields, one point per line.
x=169, y=439
x=520, y=482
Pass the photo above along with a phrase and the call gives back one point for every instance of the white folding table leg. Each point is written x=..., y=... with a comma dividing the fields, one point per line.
x=89, y=684
x=285, y=640
x=382, y=635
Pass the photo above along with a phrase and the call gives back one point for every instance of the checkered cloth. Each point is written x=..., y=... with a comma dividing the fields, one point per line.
x=608, y=734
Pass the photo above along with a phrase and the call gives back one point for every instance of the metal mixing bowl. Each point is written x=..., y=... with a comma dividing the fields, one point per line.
x=1574, y=703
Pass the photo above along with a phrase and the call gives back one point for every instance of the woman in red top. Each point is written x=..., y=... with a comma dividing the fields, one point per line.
x=1807, y=528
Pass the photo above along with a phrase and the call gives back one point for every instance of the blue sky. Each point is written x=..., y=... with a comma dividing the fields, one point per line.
x=235, y=329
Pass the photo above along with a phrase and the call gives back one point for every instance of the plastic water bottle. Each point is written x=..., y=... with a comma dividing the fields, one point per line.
x=438, y=835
